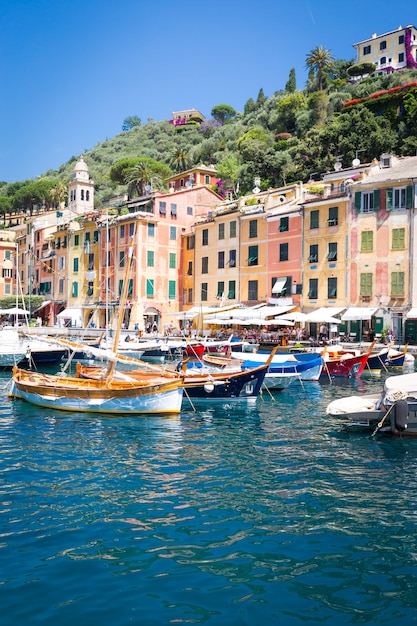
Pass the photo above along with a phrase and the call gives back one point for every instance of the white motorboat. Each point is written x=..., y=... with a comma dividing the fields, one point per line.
x=16, y=347
x=278, y=381
x=393, y=411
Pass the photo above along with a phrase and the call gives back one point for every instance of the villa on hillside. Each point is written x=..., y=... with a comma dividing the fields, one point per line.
x=182, y=118
x=396, y=50
x=199, y=175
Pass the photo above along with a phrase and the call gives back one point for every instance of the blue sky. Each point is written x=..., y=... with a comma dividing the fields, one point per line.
x=72, y=72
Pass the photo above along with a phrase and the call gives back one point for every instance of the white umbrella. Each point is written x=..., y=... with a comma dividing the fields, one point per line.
x=297, y=316
x=14, y=311
x=280, y=321
x=216, y=321
x=258, y=321
x=322, y=318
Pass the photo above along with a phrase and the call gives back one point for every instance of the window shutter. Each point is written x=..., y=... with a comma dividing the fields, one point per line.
x=358, y=201
x=409, y=197
x=377, y=200
x=388, y=199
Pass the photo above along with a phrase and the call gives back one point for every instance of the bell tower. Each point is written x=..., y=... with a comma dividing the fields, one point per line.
x=81, y=189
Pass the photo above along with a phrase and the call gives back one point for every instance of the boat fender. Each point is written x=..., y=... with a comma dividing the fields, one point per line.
x=401, y=415
x=209, y=388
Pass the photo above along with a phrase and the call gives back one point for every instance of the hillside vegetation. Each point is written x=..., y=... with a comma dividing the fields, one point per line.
x=289, y=136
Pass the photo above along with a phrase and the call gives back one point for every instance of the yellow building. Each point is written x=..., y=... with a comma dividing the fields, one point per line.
x=90, y=249
x=391, y=51
x=8, y=263
x=382, y=235
x=325, y=254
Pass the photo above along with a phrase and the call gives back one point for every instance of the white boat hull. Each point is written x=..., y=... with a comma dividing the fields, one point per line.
x=153, y=403
x=279, y=381
x=394, y=411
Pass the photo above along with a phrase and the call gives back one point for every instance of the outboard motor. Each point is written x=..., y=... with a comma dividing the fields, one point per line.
x=401, y=415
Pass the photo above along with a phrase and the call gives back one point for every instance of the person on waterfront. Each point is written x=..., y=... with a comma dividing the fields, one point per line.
x=323, y=332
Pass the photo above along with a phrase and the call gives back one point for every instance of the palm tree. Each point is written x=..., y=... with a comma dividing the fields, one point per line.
x=59, y=194
x=319, y=59
x=179, y=160
x=141, y=176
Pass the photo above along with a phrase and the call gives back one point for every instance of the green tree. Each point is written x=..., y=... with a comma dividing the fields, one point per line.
x=317, y=104
x=291, y=85
x=146, y=172
x=130, y=122
x=361, y=69
x=117, y=173
x=288, y=108
x=227, y=170
x=179, y=160
x=5, y=207
x=320, y=60
x=261, y=99
x=58, y=194
x=223, y=113
x=33, y=193
x=352, y=130
x=249, y=107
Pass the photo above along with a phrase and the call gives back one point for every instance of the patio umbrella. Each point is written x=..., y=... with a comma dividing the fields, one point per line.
x=280, y=321
x=216, y=321
x=258, y=321
x=297, y=316
x=14, y=311
x=322, y=318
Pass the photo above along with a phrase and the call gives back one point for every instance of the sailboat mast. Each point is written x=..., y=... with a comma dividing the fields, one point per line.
x=121, y=308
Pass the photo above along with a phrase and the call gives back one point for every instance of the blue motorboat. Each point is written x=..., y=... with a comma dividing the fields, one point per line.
x=308, y=365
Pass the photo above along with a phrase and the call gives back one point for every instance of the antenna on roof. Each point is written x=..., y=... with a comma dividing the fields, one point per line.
x=356, y=162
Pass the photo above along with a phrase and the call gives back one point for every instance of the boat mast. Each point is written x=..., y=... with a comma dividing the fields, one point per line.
x=121, y=309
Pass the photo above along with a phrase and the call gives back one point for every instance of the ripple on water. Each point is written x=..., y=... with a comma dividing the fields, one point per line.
x=229, y=515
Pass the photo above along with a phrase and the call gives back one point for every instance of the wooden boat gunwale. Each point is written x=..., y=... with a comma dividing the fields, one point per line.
x=158, y=395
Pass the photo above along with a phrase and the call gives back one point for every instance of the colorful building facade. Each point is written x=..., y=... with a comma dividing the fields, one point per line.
x=392, y=51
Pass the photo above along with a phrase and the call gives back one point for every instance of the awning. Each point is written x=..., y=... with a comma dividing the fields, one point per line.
x=325, y=315
x=266, y=311
x=43, y=305
x=73, y=314
x=187, y=315
x=411, y=315
x=279, y=285
x=359, y=313
x=14, y=311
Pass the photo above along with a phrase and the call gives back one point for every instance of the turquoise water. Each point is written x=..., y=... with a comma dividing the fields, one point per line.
x=267, y=514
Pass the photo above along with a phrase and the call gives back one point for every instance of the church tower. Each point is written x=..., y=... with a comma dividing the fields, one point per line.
x=81, y=189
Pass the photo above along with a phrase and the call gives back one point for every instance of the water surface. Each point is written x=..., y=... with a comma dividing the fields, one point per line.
x=231, y=515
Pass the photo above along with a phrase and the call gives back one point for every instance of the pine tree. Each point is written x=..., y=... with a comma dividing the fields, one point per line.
x=291, y=85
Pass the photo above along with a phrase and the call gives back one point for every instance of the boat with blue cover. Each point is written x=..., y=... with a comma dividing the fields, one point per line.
x=308, y=365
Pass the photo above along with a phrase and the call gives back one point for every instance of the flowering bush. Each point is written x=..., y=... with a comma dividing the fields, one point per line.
x=221, y=190
x=408, y=54
x=379, y=94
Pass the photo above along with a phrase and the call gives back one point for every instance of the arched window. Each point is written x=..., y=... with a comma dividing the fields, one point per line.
x=82, y=194
x=87, y=195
